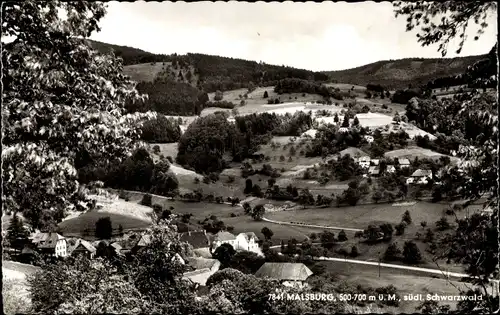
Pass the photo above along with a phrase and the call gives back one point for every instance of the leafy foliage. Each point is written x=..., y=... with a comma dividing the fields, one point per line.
x=62, y=102
x=440, y=22
x=161, y=130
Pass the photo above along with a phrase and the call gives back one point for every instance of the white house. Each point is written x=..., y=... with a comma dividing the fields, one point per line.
x=374, y=171
x=51, y=243
x=420, y=177
x=364, y=161
x=343, y=129
x=375, y=162
x=404, y=163
x=390, y=168
x=243, y=241
x=369, y=139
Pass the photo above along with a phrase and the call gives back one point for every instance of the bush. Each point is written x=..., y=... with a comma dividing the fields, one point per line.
x=400, y=228
x=354, y=252
x=147, y=200
x=156, y=149
x=411, y=253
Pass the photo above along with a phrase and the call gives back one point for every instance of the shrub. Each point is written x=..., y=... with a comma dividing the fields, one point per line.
x=400, y=228
x=156, y=149
x=354, y=252
x=147, y=200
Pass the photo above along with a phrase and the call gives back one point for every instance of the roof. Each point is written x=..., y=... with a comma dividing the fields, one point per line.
x=47, y=240
x=224, y=236
x=201, y=263
x=197, y=239
x=364, y=159
x=404, y=161
x=284, y=271
x=83, y=244
x=249, y=236
x=375, y=161
x=421, y=173
x=144, y=240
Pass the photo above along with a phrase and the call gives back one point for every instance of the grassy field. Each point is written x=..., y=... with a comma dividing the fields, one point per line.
x=361, y=216
x=146, y=72
x=281, y=232
x=414, y=151
x=407, y=282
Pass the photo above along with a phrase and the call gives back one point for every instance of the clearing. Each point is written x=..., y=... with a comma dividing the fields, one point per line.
x=414, y=151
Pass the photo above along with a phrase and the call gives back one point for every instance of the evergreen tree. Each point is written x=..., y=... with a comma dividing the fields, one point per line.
x=345, y=123
x=356, y=121
x=17, y=235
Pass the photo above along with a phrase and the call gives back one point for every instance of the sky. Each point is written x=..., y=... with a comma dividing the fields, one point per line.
x=313, y=36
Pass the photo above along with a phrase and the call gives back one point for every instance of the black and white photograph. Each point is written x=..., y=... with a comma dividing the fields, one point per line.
x=229, y=157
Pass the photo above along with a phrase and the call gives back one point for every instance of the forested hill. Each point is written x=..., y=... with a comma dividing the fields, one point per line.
x=397, y=74
x=211, y=72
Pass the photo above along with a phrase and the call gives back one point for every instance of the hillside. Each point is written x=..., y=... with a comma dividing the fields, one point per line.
x=397, y=74
x=214, y=72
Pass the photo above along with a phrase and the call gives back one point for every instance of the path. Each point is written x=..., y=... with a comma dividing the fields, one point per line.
x=313, y=226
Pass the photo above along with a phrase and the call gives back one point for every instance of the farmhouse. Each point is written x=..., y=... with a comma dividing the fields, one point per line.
x=390, y=168
x=375, y=162
x=364, y=161
x=404, y=163
x=374, y=171
x=50, y=243
x=82, y=247
x=197, y=239
x=289, y=274
x=419, y=177
x=244, y=241
x=202, y=269
x=369, y=139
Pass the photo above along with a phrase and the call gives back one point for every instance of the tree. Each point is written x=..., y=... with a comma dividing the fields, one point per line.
x=336, y=118
x=440, y=22
x=345, y=122
x=218, y=95
x=17, y=235
x=406, y=217
x=327, y=239
x=400, y=228
x=258, y=212
x=224, y=253
x=265, y=94
x=103, y=228
x=423, y=224
x=442, y=224
x=306, y=198
x=248, y=186
x=267, y=233
x=372, y=233
x=429, y=236
x=387, y=230
x=147, y=200
x=377, y=196
x=342, y=237
x=247, y=208
x=411, y=253
x=392, y=252
x=354, y=251
x=51, y=125
x=356, y=121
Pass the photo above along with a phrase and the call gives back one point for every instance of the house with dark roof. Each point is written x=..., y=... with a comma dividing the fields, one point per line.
x=82, y=247
x=50, y=243
x=289, y=274
x=197, y=239
x=419, y=177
